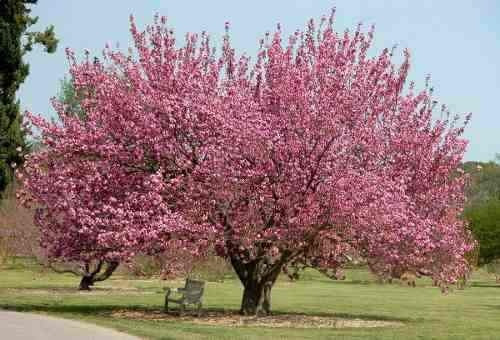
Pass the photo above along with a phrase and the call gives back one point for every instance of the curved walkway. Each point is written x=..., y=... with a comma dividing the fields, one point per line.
x=24, y=326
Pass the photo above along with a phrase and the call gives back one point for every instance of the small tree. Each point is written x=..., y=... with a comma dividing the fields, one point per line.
x=100, y=189
x=93, y=214
x=314, y=152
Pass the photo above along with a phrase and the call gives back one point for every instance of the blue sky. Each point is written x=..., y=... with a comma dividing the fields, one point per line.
x=455, y=41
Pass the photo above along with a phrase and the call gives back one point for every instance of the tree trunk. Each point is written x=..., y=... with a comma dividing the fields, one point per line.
x=86, y=282
x=89, y=278
x=256, y=298
x=258, y=278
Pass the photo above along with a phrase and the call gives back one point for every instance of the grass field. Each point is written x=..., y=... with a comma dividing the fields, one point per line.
x=473, y=313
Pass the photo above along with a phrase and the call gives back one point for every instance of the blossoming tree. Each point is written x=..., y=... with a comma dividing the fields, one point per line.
x=92, y=215
x=313, y=153
x=326, y=154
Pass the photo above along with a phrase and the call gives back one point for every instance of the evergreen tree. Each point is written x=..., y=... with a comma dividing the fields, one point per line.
x=71, y=99
x=15, y=42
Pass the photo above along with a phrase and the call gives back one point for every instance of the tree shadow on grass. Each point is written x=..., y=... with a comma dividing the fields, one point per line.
x=75, y=290
x=55, y=289
x=112, y=310
x=493, y=306
x=485, y=285
x=352, y=282
x=102, y=310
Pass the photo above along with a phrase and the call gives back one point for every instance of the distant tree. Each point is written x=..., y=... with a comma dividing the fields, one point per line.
x=70, y=99
x=483, y=208
x=494, y=268
x=15, y=42
x=485, y=181
x=484, y=221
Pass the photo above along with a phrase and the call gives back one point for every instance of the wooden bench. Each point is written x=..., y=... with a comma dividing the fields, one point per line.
x=190, y=294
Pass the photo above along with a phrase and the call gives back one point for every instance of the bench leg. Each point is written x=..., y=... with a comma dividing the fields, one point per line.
x=182, y=308
x=166, y=304
x=198, y=309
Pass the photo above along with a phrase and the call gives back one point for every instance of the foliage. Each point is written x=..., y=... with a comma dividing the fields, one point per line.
x=485, y=181
x=484, y=221
x=104, y=218
x=483, y=208
x=70, y=99
x=15, y=42
x=312, y=153
x=494, y=268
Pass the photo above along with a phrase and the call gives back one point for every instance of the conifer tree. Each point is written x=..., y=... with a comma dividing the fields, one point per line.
x=15, y=41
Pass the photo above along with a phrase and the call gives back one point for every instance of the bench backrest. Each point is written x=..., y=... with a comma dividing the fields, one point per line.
x=193, y=290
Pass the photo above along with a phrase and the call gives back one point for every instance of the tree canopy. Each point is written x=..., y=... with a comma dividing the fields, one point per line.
x=314, y=150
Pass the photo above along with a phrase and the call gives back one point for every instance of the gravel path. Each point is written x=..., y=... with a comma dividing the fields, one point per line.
x=24, y=326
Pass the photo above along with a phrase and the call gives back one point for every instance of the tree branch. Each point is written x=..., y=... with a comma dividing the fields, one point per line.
x=73, y=271
x=110, y=268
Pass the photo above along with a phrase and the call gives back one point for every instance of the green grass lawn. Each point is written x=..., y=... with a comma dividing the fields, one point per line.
x=473, y=313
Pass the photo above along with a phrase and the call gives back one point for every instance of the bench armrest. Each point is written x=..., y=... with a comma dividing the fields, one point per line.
x=169, y=291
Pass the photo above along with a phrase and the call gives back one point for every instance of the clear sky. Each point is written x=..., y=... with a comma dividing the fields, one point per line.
x=457, y=42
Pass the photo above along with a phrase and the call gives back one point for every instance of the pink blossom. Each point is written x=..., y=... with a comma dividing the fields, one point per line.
x=314, y=151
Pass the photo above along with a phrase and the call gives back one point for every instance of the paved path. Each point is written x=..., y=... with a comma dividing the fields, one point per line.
x=24, y=326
